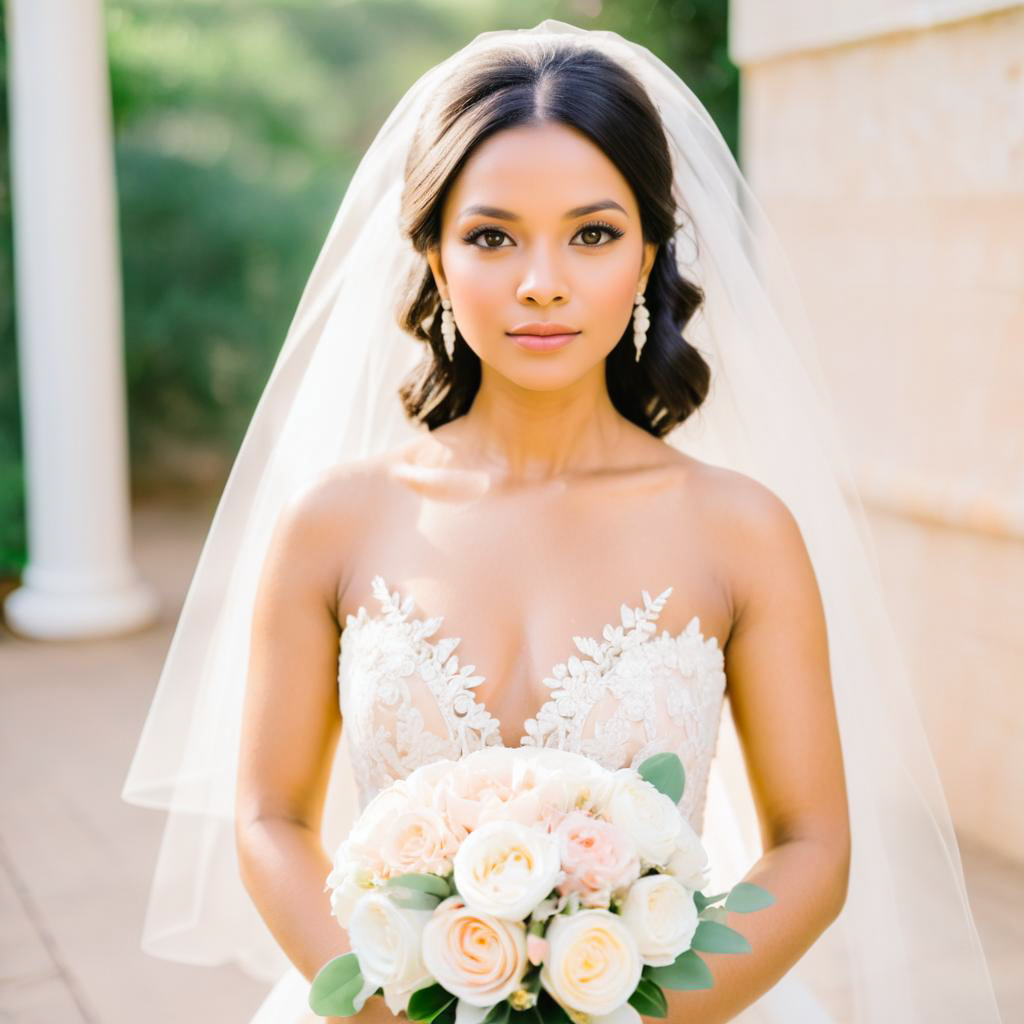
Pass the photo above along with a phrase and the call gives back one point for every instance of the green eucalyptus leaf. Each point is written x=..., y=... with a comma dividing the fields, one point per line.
x=433, y=884
x=706, y=901
x=665, y=772
x=335, y=987
x=719, y=914
x=648, y=999
x=715, y=937
x=412, y=899
x=687, y=972
x=746, y=897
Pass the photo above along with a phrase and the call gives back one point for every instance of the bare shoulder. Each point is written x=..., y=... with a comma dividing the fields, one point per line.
x=323, y=522
x=756, y=534
x=746, y=507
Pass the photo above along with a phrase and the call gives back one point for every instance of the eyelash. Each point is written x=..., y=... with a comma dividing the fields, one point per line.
x=485, y=229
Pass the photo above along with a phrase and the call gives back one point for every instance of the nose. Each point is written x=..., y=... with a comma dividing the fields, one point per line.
x=542, y=282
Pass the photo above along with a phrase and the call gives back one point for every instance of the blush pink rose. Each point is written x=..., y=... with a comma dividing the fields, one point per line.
x=491, y=785
x=536, y=949
x=597, y=858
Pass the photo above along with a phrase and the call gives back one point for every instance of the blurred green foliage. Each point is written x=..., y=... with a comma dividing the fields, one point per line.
x=237, y=126
x=12, y=484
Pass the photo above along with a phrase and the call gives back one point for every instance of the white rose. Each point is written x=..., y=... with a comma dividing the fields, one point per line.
x=689, y=861
x=648, y=815
x=593, y=963
x=662, y=917
x=363, y=841
x=505, y=869
x=348, y=881
x=387, y=940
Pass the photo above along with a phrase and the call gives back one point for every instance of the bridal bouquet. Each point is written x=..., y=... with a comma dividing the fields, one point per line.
x=526, y=879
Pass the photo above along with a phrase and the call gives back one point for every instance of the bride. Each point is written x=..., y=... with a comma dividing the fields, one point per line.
x=538, y=392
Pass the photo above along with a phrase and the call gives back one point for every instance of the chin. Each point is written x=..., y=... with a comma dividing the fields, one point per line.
x=545, y=371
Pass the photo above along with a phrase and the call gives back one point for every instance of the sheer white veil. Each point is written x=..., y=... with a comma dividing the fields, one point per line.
x=905, y=947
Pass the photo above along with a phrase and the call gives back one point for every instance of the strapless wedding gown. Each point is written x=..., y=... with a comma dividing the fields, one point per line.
x=406, y=701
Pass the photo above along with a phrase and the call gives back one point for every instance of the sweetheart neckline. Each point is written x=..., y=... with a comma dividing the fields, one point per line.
x=637, y=626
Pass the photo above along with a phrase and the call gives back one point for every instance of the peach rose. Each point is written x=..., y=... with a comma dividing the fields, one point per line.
x=597, y=858
x=477, y=957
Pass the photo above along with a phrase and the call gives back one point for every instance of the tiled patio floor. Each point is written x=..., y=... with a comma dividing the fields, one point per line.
x=76, y=862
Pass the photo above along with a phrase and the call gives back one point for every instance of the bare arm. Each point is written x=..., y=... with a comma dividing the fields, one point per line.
x=290, y=730
x=780, y=692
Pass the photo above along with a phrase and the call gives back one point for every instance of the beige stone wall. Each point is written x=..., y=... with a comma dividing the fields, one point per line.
x=892, y=166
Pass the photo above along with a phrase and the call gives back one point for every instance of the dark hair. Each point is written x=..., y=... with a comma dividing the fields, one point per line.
x=586, y=90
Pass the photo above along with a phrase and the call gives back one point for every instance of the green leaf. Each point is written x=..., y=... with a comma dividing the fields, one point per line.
x=746, y=897
x=335, y=986
x=648, y=999
x=703, y=901
x=433, y=884
x=665, y=772
x=687, y=972
x=719, y=914
x=412, y=899
x=531, y=980
x=547, y=1010
x=714, y=937
x=499, y=1013
x=426, y=1003
x=447, y=1015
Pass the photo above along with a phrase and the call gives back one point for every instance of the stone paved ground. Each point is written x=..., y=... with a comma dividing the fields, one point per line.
x=76, y=862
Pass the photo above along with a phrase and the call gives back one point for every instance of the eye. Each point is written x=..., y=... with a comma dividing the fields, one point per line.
x=598, y=226
x=485, y=230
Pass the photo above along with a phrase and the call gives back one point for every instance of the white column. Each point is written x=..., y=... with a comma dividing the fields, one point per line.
x=80, y=580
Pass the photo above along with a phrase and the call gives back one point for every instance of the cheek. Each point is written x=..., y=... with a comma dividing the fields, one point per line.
x=479, y=287
x=610, y=286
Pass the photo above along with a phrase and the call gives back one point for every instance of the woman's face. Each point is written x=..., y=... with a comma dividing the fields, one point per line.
x=534, y=255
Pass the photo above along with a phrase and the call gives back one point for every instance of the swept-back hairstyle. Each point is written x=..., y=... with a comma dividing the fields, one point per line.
x=586, y=90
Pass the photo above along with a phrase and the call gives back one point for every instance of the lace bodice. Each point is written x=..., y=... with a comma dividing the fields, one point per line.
x=406, y=700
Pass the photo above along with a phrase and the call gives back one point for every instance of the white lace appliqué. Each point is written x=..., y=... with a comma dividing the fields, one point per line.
x=407, y=701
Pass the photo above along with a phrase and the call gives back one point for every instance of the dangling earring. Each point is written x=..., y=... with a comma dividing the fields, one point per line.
x=448, y=328
x=641, y=321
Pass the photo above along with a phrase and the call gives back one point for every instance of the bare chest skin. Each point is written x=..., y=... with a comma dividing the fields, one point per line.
x=517, y=571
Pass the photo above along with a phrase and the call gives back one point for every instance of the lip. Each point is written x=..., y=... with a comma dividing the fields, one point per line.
x=542, y=336
x=543, y=328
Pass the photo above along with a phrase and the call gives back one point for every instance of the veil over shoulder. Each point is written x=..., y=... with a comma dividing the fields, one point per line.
x=905, y=947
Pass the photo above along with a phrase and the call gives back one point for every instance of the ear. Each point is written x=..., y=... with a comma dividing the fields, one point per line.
x=650, y=253
x=434, y=260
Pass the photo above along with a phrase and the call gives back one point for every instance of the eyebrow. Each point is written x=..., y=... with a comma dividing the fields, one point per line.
x=576, y=211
